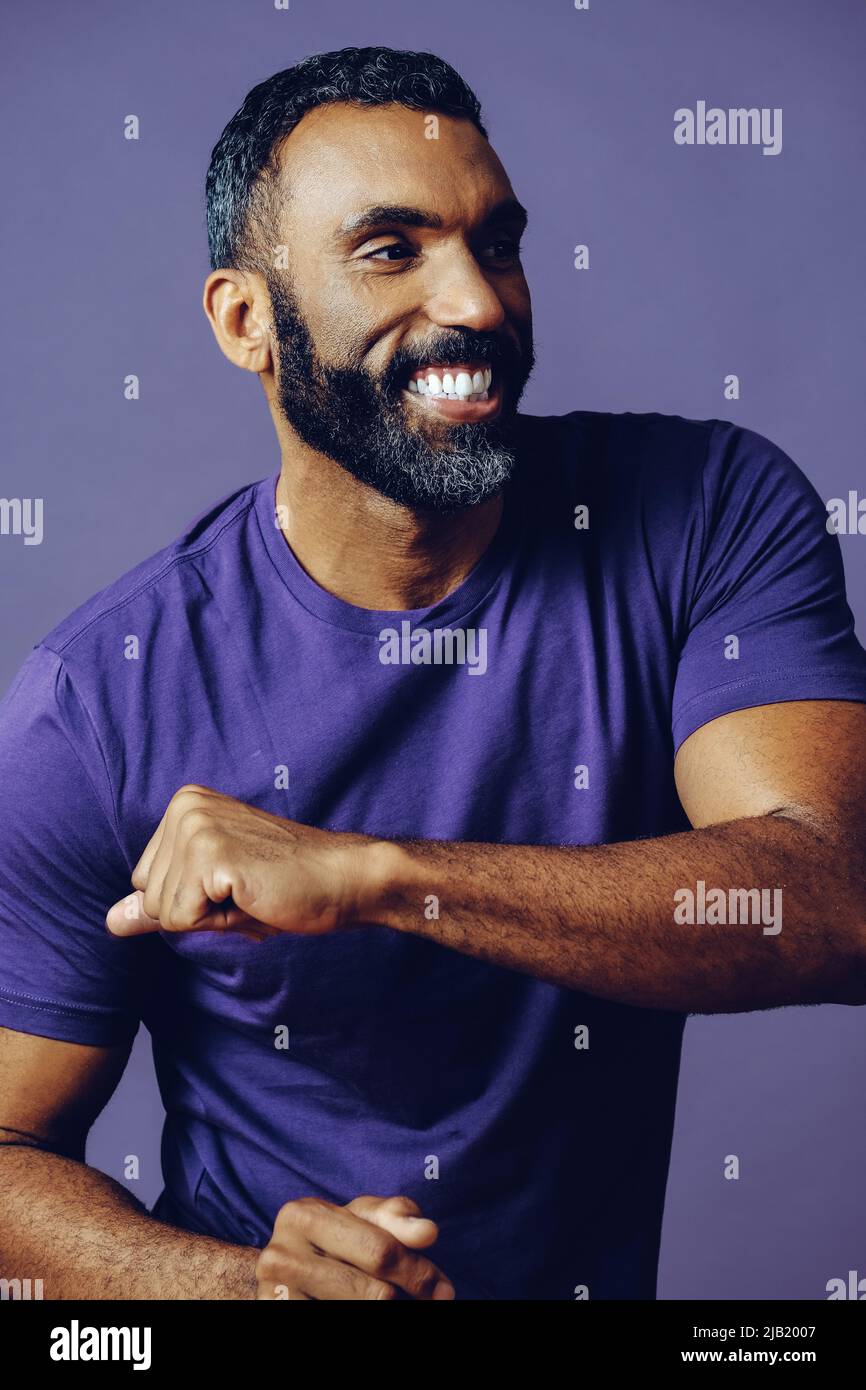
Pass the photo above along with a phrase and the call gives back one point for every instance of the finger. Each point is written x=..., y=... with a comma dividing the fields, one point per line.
x=188, y=830
x=193, y=900
x=399, y=1215
x=224, y=914
x=367, y=1246
x=180, y=803
x=225, y=917
x=142, y=869
x=322, y=1278
x=160, y=864
x=128, y=917
x=281, y=1292
x=185, y=900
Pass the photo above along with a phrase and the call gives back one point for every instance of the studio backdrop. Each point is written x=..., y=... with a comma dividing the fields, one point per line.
x=674, y=267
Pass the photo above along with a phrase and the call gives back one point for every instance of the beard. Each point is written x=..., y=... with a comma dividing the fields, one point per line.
x=361, y=421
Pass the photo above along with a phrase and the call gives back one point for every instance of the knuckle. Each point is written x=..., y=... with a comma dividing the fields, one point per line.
x=183, y=799
x=177, y=918
x=383, y=1252
x=298, y=1213
x=268, y=1265
x=276, y=1267
x=204, y=839
x=402, y=1206
x=425, y=1279
x=193, y=818
x=379, y=1292
x=362, y=1203
x=150, y=903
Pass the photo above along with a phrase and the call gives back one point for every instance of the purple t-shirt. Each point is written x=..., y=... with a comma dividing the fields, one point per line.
x=591, y=644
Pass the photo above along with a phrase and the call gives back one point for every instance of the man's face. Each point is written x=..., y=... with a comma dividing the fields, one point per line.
x=373, y=301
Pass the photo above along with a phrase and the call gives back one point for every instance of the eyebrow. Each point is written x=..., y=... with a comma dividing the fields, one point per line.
x=397, y=215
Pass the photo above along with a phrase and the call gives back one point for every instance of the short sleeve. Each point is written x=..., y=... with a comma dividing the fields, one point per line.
x=62, y=975
x=768, y=618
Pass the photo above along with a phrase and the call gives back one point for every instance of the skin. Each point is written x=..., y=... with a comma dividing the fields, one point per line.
x=337, y=162
x=760, y=786
x=755, y=786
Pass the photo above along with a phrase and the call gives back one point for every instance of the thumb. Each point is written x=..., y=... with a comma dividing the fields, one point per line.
x=128, y=917
x=400, y=1216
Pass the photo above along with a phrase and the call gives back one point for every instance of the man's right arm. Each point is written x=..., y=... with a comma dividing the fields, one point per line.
x=84, y=1235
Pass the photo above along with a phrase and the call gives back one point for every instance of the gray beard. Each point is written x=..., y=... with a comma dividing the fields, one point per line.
x=467, y=471
x=360, y=423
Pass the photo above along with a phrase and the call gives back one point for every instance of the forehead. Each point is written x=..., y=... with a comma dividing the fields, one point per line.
x=341, y=158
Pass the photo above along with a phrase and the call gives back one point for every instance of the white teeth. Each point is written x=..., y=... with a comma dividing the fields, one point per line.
x=452, y=396
x=463, y=384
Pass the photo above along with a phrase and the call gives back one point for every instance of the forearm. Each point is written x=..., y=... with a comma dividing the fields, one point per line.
x=601, y=919
x=86, y=1237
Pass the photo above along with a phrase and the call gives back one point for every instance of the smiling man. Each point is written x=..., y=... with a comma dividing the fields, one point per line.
x=408, y=933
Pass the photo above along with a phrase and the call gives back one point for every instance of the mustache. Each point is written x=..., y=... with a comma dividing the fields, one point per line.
x=449, y=352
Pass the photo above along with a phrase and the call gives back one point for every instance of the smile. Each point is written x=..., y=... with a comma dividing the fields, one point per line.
x=464, y=391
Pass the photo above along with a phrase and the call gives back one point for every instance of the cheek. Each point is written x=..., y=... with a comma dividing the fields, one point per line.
x=350, y=329
x=518, y=304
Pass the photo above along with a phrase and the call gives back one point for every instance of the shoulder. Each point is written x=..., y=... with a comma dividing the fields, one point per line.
x=655, y=464
x=125, y=655
x=610, y=433
x=636, y=441
x=173, y=575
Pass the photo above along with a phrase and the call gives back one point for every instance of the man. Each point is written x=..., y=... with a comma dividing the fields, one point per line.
x=426, y=784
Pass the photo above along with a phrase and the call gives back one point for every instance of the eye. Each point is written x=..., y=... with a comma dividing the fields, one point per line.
x=504, y=249
x=382, y=251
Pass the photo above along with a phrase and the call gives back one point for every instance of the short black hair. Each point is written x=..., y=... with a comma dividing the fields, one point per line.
x=242, y=209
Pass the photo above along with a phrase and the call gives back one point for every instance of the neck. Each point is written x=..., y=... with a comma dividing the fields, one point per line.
x=367, y=550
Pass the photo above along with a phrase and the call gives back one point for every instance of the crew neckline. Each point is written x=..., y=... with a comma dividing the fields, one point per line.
x=338, y=612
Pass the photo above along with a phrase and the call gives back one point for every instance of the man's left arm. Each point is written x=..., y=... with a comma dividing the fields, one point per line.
x=777, y=798
x=776, y=795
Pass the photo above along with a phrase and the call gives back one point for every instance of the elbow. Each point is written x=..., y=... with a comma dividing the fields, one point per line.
x=832, y=860
x=844, y=933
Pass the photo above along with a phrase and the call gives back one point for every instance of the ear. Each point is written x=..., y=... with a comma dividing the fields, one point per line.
x=238, y=308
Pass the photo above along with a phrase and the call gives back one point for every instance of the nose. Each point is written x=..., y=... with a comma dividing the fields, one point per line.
x=461, y=296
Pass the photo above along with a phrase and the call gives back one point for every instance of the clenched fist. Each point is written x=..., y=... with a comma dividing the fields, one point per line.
x=365, y=1250
x=215, y=863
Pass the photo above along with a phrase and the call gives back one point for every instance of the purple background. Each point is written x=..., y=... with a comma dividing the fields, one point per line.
x=703, y=261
